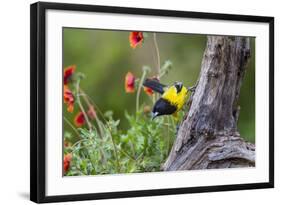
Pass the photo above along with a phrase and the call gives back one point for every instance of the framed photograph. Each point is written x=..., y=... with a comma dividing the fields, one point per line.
x=129, y=102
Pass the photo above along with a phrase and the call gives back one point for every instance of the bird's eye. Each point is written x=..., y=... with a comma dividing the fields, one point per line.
x=178, y=86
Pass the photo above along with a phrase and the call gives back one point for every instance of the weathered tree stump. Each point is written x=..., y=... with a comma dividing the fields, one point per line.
x=208, y=136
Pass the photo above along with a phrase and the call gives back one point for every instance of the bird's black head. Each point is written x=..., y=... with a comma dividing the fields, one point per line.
x=178, y=86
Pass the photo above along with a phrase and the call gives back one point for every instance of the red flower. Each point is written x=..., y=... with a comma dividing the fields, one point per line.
x=129, y=83
x=68, y=98
x=79, y=119
x=66, y=143
x=66, y=162
x=68, y=71
x=148, y=91
x=92, y=113
x=135, y=38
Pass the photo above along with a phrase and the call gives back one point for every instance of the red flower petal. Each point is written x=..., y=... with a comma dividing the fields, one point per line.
x=148, y=91
x=66, y=143
x=68, y=98
x=79, y=119
x=135, y=38
x=129, y=83
x=68, y=71
x=66, y=162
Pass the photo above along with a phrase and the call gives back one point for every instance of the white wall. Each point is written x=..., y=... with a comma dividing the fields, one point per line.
x=14, y=100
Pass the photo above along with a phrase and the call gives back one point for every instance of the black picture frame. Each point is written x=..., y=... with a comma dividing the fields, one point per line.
x=38, y=100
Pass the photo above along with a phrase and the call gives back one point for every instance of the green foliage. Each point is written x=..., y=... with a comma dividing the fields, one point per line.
x=108, y=150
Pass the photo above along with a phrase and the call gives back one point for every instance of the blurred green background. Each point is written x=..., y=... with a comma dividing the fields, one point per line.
x=106, y=56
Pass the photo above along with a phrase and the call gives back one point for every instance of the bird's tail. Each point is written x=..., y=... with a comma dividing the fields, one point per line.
x=154, y=85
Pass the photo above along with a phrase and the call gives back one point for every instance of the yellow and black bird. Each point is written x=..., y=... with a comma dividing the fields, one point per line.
x=172, y=97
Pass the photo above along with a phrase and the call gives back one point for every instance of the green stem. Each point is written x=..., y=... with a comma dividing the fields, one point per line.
x=174, y=127
x=115, y=152
x=81, y=106
x=133, y=149
x=89, y=105
x=95, y=105
x=69, y=123
x=139, y=157
x=157, y=54
x=139, y=90
x=76, y=143
x=125, y=153
x=168, y=136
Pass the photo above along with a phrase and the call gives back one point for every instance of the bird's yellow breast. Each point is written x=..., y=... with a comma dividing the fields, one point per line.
x=177, y=99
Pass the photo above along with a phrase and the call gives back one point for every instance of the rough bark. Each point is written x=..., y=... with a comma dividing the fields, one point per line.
x=208, y=136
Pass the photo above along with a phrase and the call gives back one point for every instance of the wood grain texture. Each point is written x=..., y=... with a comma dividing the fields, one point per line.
x=208, y=136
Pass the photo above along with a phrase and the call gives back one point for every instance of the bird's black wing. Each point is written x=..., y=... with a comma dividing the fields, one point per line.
x=154, y=85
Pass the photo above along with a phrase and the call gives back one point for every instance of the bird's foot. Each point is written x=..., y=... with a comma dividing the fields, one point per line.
x=193, y=88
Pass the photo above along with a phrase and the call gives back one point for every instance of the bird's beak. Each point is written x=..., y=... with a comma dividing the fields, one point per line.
x=154, y=115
